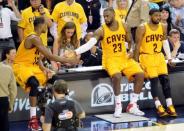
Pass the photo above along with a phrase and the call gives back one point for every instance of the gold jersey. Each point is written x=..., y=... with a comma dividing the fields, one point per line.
x=63, y=13
x=113, y=42
x=120, y=14
x=27, y=56
x=28, y=17
x=153, y=40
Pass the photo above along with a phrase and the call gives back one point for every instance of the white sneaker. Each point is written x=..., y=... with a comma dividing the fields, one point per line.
x=118, y=112
x=133, y=109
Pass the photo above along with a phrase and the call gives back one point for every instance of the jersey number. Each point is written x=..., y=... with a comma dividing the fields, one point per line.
x=117, y=47
x=155, y=47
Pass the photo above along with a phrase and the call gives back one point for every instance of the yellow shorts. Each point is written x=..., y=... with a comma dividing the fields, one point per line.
x=23, y=72
x=128, y=67
x=153, y=65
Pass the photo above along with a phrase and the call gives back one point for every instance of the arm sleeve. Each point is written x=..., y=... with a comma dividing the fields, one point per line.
x=84, y=27
x=167, y=49
x=53, y=30
x=86, y=46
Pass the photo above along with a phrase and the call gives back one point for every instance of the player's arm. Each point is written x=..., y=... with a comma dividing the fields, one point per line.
x=87, y=46
x=128, y=38
x=166, y=46
x=138, y=40
x=36, y=41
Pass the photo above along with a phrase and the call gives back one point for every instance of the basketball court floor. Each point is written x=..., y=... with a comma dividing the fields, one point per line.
x=92, y=123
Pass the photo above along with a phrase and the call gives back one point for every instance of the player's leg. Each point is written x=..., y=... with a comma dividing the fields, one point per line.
x=133, y=70
x=33, y=83
x=115, y=73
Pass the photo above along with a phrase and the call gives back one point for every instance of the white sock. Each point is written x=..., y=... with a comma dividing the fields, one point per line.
x=133, y=98
x=32, y=111
x=118, y=101
x=157, y=103
x=169, y=102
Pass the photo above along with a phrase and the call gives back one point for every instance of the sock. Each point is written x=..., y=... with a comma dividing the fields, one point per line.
x=157, y=103
x=169, y=102
x=32, y=111
x=118, y=101
x=133, y=98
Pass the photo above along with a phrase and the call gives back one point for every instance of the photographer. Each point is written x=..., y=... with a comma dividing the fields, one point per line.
x=63, y=114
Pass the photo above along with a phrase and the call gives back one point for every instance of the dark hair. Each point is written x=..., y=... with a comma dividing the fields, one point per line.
x=60, y=87
x=5, y=52
x=38, y=21
x=174, y=31
x=109, y=9
x=167, y=8
x=63, y=39
x=152, y=11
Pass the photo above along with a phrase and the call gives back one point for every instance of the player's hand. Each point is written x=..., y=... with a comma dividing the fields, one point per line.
x=10, y=109
x=49, y=73
x=130, y=54
x=170, y=63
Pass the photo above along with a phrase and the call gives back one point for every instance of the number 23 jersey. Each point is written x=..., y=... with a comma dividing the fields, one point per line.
x=113, y=42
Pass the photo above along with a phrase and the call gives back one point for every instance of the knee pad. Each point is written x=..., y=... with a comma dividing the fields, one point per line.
x=154, y=87
x=164, y=81
x=34, y=84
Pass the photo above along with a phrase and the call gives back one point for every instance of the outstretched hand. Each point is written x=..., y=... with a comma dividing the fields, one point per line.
x=170, y=63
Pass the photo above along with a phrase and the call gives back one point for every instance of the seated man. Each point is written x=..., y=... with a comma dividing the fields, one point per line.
x=176, y=46
x=63, y=114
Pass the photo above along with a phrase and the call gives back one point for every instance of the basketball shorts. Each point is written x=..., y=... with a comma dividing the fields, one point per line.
x=24, y=72
x=153, y=65
x=128, y=67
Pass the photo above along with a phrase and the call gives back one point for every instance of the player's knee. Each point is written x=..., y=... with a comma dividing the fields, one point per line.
x=33, y=83
x=164, y=80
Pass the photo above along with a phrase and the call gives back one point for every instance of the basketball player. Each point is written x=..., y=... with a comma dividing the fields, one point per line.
x=150, y=38
x=28, y=69
x=115, y=59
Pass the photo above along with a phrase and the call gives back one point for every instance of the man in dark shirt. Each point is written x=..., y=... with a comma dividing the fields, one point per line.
x=63, y=113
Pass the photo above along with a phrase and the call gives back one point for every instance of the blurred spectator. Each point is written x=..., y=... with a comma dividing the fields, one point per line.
x=67, y=11
x=176, y=46
x=8, y=55
x=93, y=57
x=8, y=92
x=63, y=114
x=92, y=11
x=121, y=9
x=138, y=14
x=177, y=16
x=6, y=15
x=25, y=26
x=166, y=17
x=67, y=41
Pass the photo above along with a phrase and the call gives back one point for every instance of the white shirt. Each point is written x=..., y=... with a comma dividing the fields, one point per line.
x=6, y=15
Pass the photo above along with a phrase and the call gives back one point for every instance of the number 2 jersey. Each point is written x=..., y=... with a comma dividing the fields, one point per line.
x=27, y=56
x=113, y=43
x=152, y=41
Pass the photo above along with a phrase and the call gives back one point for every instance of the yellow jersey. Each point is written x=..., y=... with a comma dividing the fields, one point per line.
x=113, y=42
x=153, y=40
x=27, y=56
x=63, y=13
x=120, y=14
x=28, y=17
